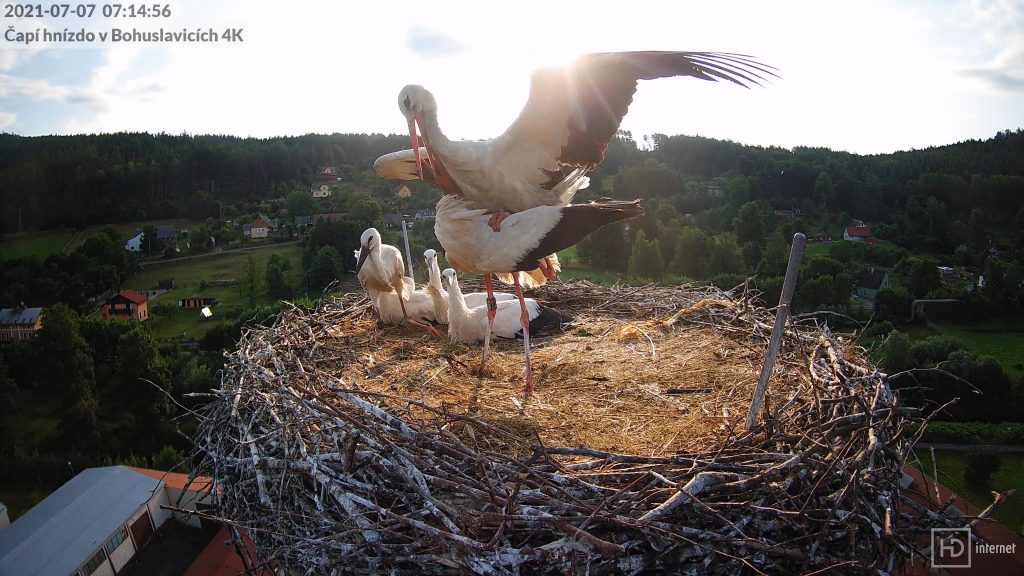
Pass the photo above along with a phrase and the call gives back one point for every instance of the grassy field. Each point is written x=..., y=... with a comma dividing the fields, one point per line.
x=35, y=244
x=1002, y=341
x=1006, y=347
x=129, y=229
x=190, y=273
x=1010, y=475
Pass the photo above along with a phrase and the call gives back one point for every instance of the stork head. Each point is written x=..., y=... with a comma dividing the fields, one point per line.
x=367, y=242
x=450, y=277
x=415, y=101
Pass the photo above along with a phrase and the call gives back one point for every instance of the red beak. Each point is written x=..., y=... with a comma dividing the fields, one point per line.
x=415, y=141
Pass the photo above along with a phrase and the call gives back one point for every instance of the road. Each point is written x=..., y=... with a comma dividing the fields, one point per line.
x=208, y=254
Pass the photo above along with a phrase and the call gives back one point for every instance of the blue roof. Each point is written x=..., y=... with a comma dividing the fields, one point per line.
x=60, y=533
x=19, y=315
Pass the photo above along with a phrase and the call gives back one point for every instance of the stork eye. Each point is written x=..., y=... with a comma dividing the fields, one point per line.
x=407, y=103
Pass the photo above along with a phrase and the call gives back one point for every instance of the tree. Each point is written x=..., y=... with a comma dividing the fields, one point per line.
x=979, y=465
x=326, y=267
x=149, y=243
x=750, y=224
x=693, y=254
x=725, y=257
x=250, y=282
x=364, y=211
x=920, y=276
x=606, y=248
x=65, y=358
x=646, y=261
x=277, y=286
x=893, y=303
x=299, y=203
x=168, y=458
x=895, y=353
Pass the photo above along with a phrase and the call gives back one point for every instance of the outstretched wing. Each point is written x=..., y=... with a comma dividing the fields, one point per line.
x=573, y=113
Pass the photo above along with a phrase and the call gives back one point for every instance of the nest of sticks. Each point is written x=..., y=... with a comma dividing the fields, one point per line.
x=346, y=446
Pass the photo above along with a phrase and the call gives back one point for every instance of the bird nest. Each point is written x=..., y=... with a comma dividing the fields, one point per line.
x=345, y=446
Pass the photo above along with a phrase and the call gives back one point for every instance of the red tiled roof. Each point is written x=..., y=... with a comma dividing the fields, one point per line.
x=221, y=558
x=858, y=231
x=175, y=479
x=133, y=296
x=922, y=491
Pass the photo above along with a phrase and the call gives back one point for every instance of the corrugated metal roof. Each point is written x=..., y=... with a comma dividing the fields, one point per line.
x=60, y=533
x=19, y=315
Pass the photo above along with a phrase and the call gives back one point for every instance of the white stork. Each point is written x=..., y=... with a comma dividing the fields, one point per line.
x=439, y=295
x=381, y=271
x=419, y=304
x=471, y=324
x=524, y=238
x=571, y=115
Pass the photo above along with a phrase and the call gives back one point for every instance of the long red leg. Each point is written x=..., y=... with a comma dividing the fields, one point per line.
x=492, y=310
x=525, y=319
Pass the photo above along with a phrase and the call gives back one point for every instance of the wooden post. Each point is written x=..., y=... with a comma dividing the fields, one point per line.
x=408, y=255
x=781, y=315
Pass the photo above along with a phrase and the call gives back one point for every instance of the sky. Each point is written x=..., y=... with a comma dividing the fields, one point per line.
x=865, y=77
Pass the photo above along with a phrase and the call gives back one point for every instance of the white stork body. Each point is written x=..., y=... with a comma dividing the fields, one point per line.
x=469, y=324
x=419, y=304
x=381, y=271
x=439, y=295
x=380, y=266
x=524, y=238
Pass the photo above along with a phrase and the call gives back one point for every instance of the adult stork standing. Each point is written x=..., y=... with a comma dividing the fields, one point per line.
x=561, y=133
x=381, y=271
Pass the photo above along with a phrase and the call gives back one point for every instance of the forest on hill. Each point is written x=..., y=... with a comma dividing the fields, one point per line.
x=717, y=211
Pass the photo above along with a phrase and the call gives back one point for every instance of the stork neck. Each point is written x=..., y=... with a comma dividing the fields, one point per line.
x=456, y=303
x=432, y=131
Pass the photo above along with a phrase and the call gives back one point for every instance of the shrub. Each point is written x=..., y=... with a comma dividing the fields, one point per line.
x=979, y=466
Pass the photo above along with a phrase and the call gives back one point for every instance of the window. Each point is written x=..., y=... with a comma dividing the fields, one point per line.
x=97, y=559
x=120, y=536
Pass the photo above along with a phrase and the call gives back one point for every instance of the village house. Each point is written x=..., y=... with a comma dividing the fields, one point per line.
x=166, y=234
x=327, y=173
x=127, y=304
x=198, y=302
x=422, y=214
x=320, y=190
x=134, y=244
x=393, y=220
x=858, y=234
x=20, y=323
x=98, y=521
x=259, y=228
x=996, y=548
x=870, y=282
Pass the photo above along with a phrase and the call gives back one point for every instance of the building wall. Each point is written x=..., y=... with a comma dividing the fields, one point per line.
x=122, y=554
x=158, y=514
x=104, y=570
x=189, y=503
